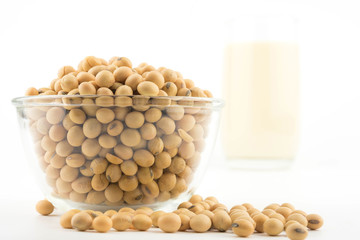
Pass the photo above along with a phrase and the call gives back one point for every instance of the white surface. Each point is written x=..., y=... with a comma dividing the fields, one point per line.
x=329, y=192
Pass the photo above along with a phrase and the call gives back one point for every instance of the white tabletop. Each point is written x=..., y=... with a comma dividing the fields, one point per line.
x=329, y=191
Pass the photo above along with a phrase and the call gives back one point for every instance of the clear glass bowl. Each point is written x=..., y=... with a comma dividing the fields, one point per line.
x=107, y=152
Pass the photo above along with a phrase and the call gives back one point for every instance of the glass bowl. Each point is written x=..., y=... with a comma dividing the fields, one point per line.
x=108, y=152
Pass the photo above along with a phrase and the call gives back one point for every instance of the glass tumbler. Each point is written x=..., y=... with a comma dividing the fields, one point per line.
x=261, y=89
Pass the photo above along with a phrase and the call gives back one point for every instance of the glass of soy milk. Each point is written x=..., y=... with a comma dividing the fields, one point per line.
x=261, y=90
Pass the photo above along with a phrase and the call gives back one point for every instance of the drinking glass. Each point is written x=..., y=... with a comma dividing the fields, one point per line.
x=261, y=90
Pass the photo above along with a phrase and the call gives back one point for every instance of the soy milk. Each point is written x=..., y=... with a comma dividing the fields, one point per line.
x=261, y=91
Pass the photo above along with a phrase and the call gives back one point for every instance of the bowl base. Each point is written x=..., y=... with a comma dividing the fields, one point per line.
x=64, y=205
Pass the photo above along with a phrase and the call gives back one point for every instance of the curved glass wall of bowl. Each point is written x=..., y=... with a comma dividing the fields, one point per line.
x=107, y=152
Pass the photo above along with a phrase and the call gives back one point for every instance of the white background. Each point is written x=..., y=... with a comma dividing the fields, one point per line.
x=38, y=37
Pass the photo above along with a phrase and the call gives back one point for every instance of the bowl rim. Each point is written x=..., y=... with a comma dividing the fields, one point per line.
x=50, y=100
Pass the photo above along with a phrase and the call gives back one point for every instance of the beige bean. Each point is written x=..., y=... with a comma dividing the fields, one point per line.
x=99, y=182
x=169, y=75
x=134, y=119
x=144, y=158
x=98, y=165
x=65, y=70
x=194, y=161
x=113, y=159
x=122, y=73
x=95, y=197
x=52, y=172
x=104, y=79
x=128, y=183
x=273, y=226
x=180, y=84
x=242, y=227
x=104, y=91
x=170, y=88
x=77, y=197
x=57, y=133
x=85, y=77
x=172, y=141
x=156, y=145
x=153, y=115
x=163, y=160
x=166, y=124
x=47, y=144
x=57, y=162
x=141, y=222
x=75, y=136
x=48, y=156
x=177, y=165
x=31, y=92
x=260, y=219
x=67, y=123
x=63, y=148
x=62, y=186
x=185, y=136
x=105, y=101
x=107, y=141
x=172, y=151
x=123, y=152
x=55, y=115
x=145, y=175
x=114, y=128
x=133, y=81
x=179, y=188
x=104, y=151
x=75, y=160
x=77, y=116
x=96, y=69
x=155, y=77
x=130, y=137
x=124, y=90
x=113, y=193
x=186, y=174
x=113, y=173
x=122, y=61
x=157, y=172
x=85, y=169
x=197, y=92
x=187, y=150
x=69, y=82
x=92, y=128
x=186, y=123
x=43, y=126
x=82, y=185
x=164, y=196
x=175, y=112
x=90, y=147
x=147, y=88
x=148, y=131
x=200, y=223
x=285, y=211
x=197, y=132
x=151, y=189
x=299, y=218
x=155, y=217
x=167, y=182
x=121, y=221
x=105, y=115
x=69, y=174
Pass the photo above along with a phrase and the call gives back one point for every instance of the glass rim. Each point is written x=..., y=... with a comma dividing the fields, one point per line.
x=288, y=17
x=50, y=101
